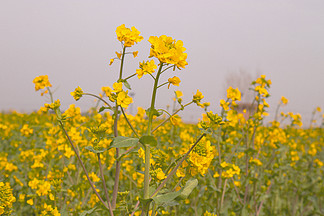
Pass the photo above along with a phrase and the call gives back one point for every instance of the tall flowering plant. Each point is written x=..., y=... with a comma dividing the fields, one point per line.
x=166, y=53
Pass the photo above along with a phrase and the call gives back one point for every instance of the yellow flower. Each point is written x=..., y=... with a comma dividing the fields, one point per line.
x=178, y=94
x=160, y=174
x=123, y=99
x=224, y=104
x=135, y=54
x=44, y=188
x=255, y=161
x=111, y=61
x=233, y=94
x=168, y=50
x=216, y=175
x=175, y=120
x=54, y=105
x=147, y=67
x=77, y=94
x=284, y=100
x=198, y=97
x=41, y=82
x=118, y=55
x=318, y=109
x=174, y=81
x=94, y=177
x=33, y=184
x=30, y=202
x=26, y=131
x=209, y=214
x=6, y=198
x=128, y=36
x=118, y=87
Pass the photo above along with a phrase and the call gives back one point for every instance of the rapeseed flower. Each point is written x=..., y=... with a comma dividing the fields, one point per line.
x=6, y=198
x=174, y=81
x=128, y=36
x=168, y=50
x=77, y=94
x=233, y=94
x=123, y=99
x=41, y=82
x=147, y=67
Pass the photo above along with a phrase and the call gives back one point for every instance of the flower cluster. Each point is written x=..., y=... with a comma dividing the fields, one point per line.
x=147, y=67
x=197, y=98
x=54, y=105
x=6, y=199
x=42, y=82
x=49, y=210
x=128, y=36
x=174, y=81
x=43, y=187
x=77, y=94
x=201, y=157
x=229, y=170
x=168, y=50
x=26, y=130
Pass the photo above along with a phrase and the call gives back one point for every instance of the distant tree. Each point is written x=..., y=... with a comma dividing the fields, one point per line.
x=241, y=80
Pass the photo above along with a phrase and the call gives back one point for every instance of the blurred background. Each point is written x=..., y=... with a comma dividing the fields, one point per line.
x=228, y=43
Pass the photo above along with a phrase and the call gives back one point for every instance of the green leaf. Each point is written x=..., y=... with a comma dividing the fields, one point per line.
x=147, y=139
x=127, y=84
x=188, y=188
x=166, y=198
x=88, y=212
x=155, y=112
x=96, y=149
x=121, y=141
x=102, y=109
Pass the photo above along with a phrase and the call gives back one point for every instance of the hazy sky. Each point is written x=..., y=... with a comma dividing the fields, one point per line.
x=72, y=41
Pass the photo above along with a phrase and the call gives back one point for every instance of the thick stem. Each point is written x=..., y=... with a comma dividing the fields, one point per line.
x=116, y=184
x=122, y=63
x=153, y=99
x=147, y=172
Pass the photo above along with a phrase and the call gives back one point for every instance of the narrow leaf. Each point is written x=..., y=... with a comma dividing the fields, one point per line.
x=121, y=141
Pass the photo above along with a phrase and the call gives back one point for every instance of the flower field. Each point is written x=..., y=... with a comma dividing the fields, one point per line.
x=108, y=162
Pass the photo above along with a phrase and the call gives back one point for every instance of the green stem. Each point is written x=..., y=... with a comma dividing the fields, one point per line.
x=122, y=63
x=167, y=119
x=153, y=99
x=116, y=183
x=147, y=146
x=104, y=185
x=162, y=84
x=98, y=98
x=51, y=94
x=128, y=122
x=83, y=167
x=130, y=76
x=167, y=68
x=147, y=171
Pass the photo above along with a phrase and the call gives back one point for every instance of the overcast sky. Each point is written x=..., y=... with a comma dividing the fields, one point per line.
x=72, y=41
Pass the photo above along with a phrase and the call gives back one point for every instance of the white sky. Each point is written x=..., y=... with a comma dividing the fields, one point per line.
x=72, y=41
